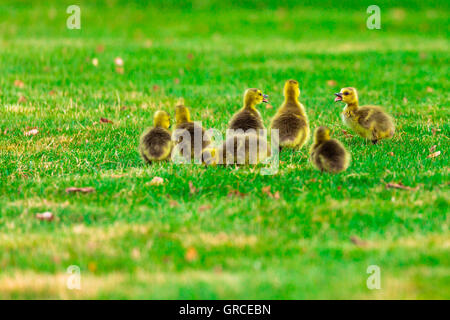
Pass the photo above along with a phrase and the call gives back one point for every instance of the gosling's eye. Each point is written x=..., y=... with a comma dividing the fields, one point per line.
x=346, y=93
x=260, y=94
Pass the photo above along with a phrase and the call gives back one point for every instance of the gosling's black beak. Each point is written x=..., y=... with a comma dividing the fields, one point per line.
x=338, y=96
x=265, y=98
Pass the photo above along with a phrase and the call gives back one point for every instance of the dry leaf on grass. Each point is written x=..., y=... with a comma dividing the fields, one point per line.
x=120, y=70
x=269, y=106
x=357, y=241
x=156, y=181
x=155, y=87
x=80, y=190
x=433, y=148
x=19, y=84
x=192, y=189
x=118, y=175
x=391, y=154
x=191, y=254
x=266, y=190
x=45, y=216
x=52, y=92
x=176, y=81
x=434, y=130
x=430, y=89
x=346, y=134
x=95, y=62
x=104, y=120
x=434, y=154
x=394, y=185
x=31, y=132
x=405, y=100
x=204, y=207
x=173, y=204
x=331, y=83
x=22, y=99
x=236, y=193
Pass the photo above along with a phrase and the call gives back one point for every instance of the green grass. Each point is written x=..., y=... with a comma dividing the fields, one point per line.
x=133, y=240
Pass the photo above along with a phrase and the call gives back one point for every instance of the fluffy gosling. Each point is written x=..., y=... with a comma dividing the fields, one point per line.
x=241, y=149
x=370, y=122
x=183, y=122
x=249, y=117
x=328, y=154
x=156, y=143
x=290, y=119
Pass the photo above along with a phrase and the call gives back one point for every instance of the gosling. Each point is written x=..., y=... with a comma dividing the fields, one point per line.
x=156, y=143
x=291, y=120
x=369, y=122
x=249, y=118
x=183, y=125
x=328, y=154
x=240, y=149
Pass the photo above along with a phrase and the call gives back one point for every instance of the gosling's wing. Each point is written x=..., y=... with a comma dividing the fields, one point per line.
x=232, y=122
x=315, y=158
x=246, y=120
x=365, y=116
x=290, y=127
x=376, y=119
x=336, y=155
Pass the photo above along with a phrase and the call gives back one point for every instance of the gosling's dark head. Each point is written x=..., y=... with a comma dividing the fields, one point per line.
x=322, y=134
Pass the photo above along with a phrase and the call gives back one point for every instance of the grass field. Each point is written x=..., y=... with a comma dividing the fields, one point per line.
x=221, y=237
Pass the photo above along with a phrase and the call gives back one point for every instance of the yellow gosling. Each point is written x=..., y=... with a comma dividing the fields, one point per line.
x=183, y=122
x=249, y=117
x=291, y=120
x=369, y=122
